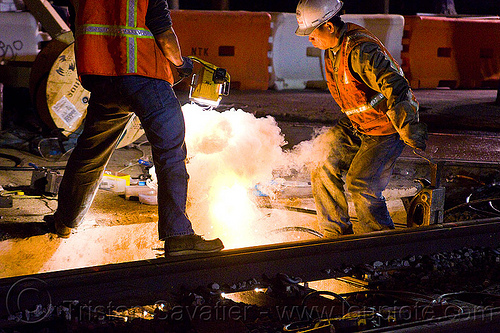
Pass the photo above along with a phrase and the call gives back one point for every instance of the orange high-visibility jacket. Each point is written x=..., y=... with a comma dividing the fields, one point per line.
x=112, y=39
x=365, y=107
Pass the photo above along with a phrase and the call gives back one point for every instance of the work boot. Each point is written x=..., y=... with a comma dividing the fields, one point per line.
x=57, y=227
x=191, y=244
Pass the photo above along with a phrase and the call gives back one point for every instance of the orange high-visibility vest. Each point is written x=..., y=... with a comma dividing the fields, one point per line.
x=365, y=107
x=112, y=39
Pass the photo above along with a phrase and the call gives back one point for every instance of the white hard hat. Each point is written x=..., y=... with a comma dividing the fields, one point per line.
x=313, y=13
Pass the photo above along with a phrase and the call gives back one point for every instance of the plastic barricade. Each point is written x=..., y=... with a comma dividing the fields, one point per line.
x=388, y=28
x=451, y=52
x=296, y=64
x=235, y=40
x=19, y=36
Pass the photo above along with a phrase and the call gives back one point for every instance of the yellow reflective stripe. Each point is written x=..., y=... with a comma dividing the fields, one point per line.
x=113, y=30
x=129, y=31
x=131, y=41
x=366, y=107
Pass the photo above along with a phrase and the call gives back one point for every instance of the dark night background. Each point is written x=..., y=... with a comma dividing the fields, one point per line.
x=403, y=7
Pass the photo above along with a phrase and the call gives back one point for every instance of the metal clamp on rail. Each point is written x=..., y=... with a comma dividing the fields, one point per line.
x=427, y=206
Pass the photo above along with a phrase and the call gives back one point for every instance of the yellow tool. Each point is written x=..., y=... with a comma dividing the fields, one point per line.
x=209, y=84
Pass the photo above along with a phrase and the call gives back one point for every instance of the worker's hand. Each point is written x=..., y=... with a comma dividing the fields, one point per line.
x=414, y=135
x=186, y=68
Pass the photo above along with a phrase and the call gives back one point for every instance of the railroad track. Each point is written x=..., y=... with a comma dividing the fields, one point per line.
x=147, y=281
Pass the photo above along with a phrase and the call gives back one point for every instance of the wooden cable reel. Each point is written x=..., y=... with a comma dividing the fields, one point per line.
x=60, y=99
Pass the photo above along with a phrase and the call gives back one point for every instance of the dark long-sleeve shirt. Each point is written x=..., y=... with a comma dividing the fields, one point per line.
x=158, y=18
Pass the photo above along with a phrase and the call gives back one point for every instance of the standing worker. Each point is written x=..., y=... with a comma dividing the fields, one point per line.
x=380, y=115
x=123, y=50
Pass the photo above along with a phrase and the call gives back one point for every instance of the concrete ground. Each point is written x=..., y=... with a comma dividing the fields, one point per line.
x=118, y=230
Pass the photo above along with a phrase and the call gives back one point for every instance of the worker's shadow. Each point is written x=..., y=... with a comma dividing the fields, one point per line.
x=23, y=230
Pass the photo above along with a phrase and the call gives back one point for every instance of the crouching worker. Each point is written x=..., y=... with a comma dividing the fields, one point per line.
x=380, y=116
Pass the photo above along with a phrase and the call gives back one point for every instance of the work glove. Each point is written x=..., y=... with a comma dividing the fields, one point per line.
x=404, y=117
x=186, y=68
x=414, y=135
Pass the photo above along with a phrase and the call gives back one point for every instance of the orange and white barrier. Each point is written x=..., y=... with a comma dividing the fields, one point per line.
x=296, y=64
x=387, y=27
x=451, y=52
x=235, y=40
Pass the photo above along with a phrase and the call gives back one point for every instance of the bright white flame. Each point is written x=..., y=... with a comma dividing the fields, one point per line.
x=233, y=212
x=229, y=152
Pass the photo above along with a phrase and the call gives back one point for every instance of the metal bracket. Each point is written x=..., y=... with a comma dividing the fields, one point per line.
x=427, y=206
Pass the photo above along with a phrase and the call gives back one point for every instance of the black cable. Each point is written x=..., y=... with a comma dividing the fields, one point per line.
x=300, y=229
x=491, y=192
x=13, y=158
x=487, y=200
x=467, y=204
x=493, y=207
x=4, y=168
x=325, y=292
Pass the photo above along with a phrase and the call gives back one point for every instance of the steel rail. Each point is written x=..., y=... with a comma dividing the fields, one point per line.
x=149, y=281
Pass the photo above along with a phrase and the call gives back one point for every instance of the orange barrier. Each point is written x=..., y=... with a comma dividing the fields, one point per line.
x=451, y=52
x=235, y=40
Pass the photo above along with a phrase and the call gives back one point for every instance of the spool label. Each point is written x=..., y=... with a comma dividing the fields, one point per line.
x=68, y=113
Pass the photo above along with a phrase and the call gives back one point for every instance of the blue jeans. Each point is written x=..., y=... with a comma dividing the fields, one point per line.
x=367, y=162
x=112, y=101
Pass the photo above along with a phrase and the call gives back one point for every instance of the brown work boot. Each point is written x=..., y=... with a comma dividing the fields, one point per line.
x=191, y=244
x=57, y=227
x=62, y=230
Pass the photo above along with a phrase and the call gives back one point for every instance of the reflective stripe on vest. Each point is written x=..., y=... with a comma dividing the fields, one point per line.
x=366, y=107
x=130, y=31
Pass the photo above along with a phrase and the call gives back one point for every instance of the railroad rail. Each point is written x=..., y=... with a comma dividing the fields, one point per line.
x=148, y=281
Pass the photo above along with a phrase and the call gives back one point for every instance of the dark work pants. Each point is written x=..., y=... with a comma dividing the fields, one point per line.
x=112, y=102
x=367, y=163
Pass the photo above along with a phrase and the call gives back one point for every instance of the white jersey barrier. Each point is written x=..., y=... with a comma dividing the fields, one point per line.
x=294, y=61
x=296, y=64
x=388, y=28
x=19, y=36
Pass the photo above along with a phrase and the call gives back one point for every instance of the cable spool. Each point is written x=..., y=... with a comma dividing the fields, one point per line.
x=38, y=78
x=66, y=98
x=60, y=99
